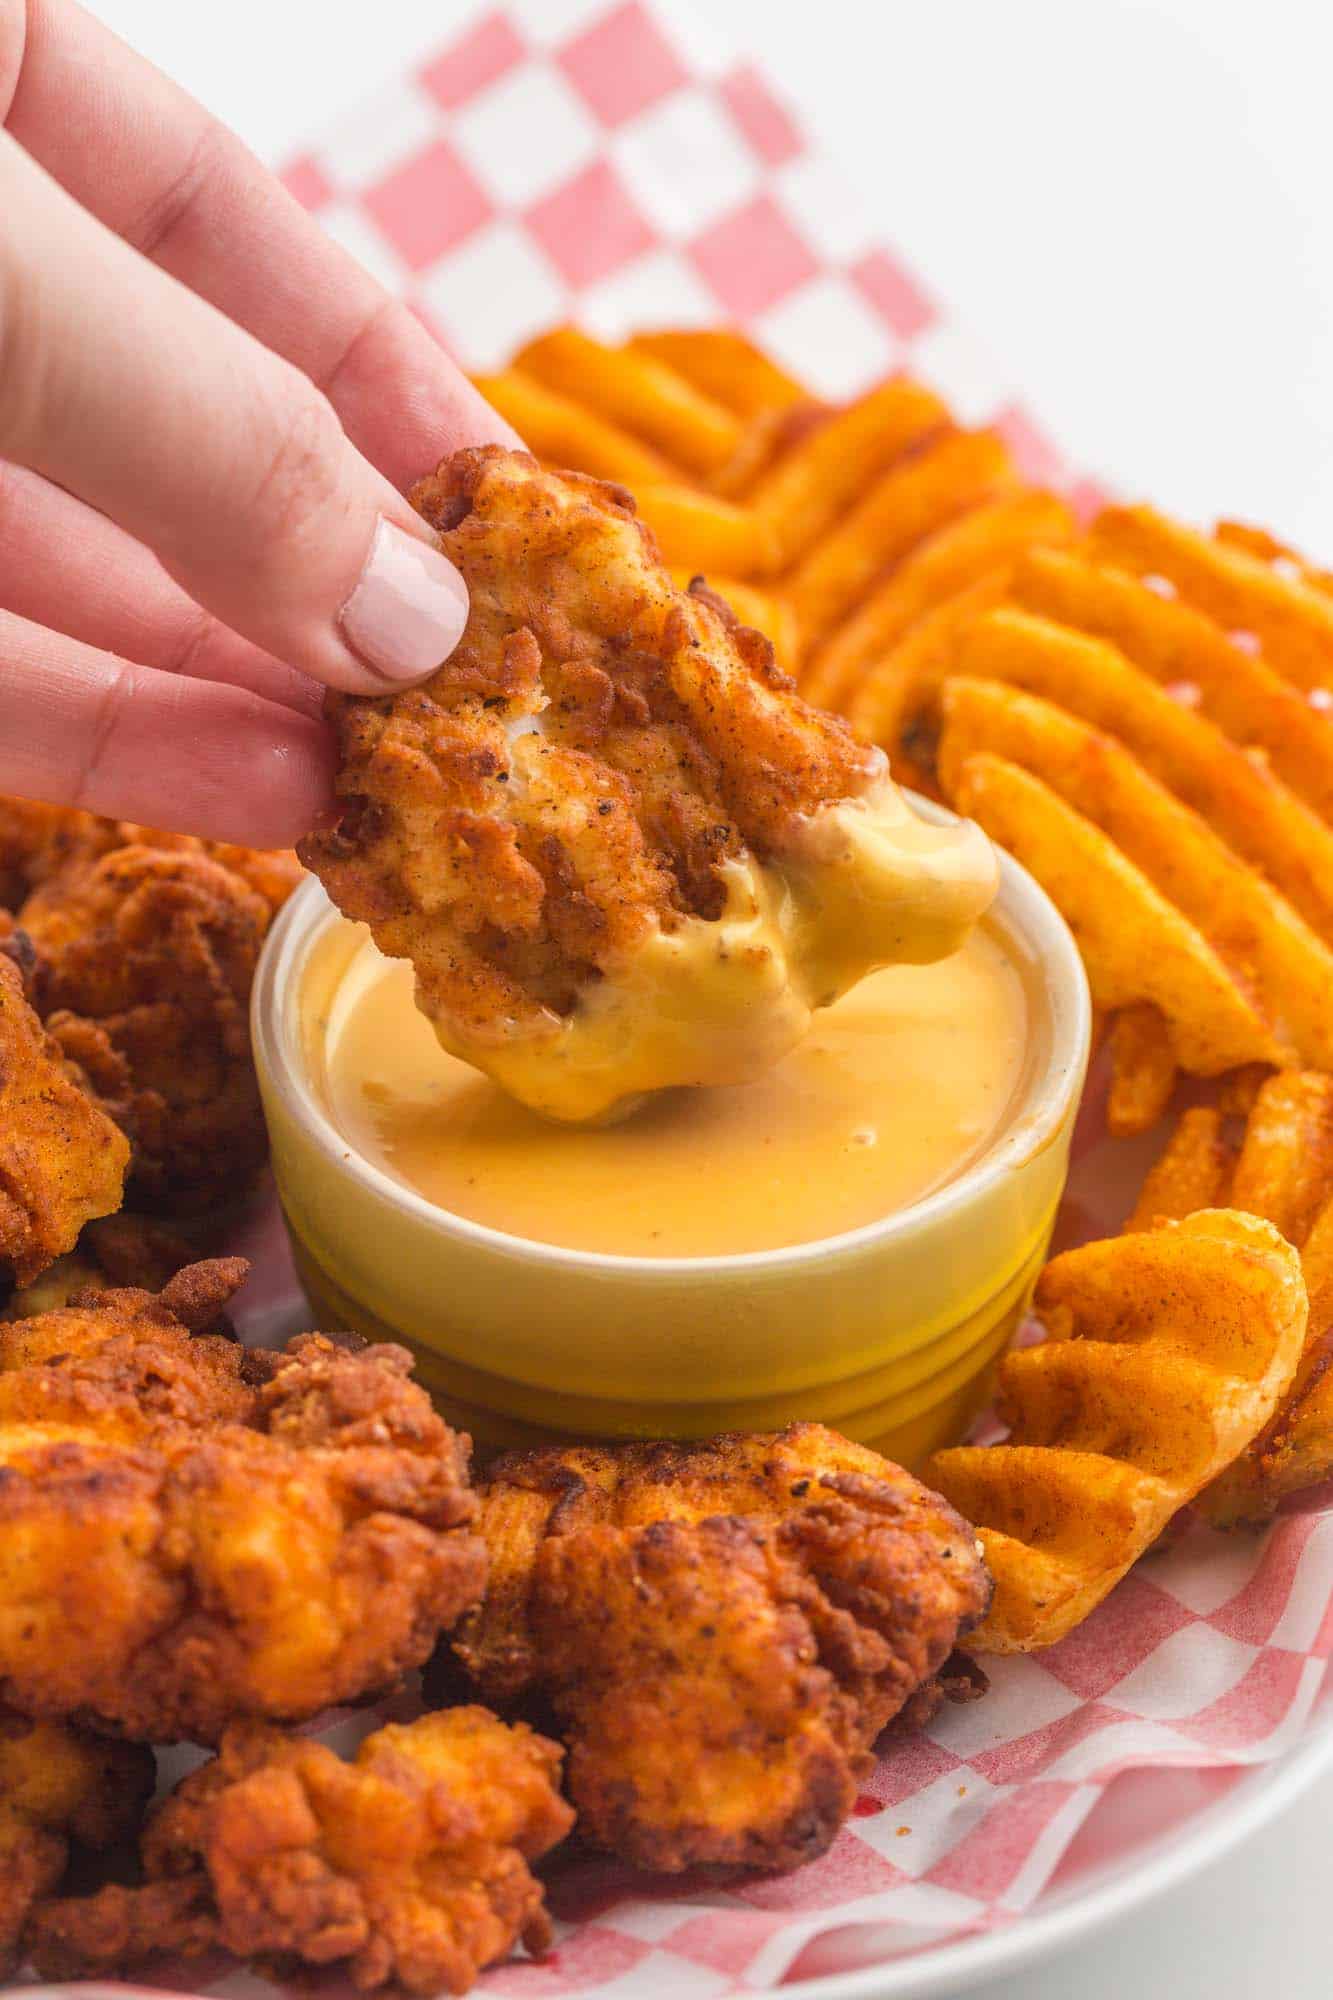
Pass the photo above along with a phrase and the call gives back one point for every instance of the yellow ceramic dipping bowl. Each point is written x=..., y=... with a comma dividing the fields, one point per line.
x=889, y=1333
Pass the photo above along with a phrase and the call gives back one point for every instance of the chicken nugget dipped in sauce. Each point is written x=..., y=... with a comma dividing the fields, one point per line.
x=620, y=851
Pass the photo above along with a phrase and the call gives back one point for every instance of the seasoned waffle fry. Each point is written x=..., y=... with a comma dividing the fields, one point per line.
x=707, y=533
x=1292, y=622
x=1249, y=807
x=1271, y=952
x=639, y=394
x=1143, y=1070
x=727, y=367
x=908, y=502
x=1194, y=1172
x=1136, y=945
x=1267, y=548
x=946, y=563
x=1181, y=648
x=812, y=485
x=561, y=432
x=1166, y=1354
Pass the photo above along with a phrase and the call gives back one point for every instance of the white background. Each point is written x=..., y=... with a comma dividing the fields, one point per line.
x=1129, y=200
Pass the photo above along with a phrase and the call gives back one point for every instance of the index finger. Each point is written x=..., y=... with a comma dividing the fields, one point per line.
x=140, y=154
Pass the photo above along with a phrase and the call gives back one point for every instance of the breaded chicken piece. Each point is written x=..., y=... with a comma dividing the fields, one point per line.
x=145, y=960
x=59, y=1785
x=62, y=1160
x=193, y=1533
x=39, y=843
x=722, y=1631
x=409, y=1863
x=619, y=849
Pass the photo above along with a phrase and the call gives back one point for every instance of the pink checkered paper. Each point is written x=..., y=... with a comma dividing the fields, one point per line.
x=562, y=159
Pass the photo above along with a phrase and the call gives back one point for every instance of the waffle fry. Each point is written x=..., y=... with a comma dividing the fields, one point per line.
x=1292, y=622
x=1166, y=1354
x=1137, y=946
x=1272, y=954
x=727, y=367
x=1282, y=1171
x=701, y=531
x=561, y=432
x=639, y=394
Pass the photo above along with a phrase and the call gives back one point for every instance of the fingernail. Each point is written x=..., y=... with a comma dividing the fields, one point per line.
x=409, y=607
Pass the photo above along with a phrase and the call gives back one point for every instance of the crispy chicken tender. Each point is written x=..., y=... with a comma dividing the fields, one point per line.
x=193, y=1533
x=619, y=849
x=59, y=1785
x=43, y=844
x=722, y=1631
x=145, y=959
x=408, y=1863
x=62, y=1160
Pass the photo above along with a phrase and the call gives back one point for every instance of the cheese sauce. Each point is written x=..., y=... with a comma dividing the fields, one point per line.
x=896, y=1089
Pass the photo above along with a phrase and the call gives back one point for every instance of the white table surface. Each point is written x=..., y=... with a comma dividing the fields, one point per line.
x=1129, y=200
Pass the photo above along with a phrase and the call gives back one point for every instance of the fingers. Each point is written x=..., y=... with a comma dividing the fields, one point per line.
x=65, y=565
x=220, y=456
x=80, y=727
x=149, y=162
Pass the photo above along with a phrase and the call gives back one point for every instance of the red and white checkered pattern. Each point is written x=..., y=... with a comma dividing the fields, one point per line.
x=563, y=158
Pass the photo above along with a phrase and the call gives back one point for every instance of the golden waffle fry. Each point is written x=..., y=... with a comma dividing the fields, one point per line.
x=1292, y=622
x=1136, y=945
x=1269, y=949
x=1166, y=1353
x=907, y=503
x=639, y=394
x=946, y=563
x=561, y=432
x=1181, y=648
x=704, y=532
x=1143, y=1070
x=726, y=366
x=1252, y=810
x=812, y=485
x=1282, y=1172
x=1267, y=548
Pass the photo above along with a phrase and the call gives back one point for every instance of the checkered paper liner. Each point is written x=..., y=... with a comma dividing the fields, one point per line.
x=618, y=166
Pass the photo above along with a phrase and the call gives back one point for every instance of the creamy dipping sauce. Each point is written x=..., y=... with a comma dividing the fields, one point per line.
x=895, y=1090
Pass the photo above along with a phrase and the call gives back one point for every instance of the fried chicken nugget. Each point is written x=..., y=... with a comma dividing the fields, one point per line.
x=145, y=961
x=619, y=849
x=192, y=1533
x=408, y=1863
x=57, y=1785
x=722, y=1631
x=62, y=1160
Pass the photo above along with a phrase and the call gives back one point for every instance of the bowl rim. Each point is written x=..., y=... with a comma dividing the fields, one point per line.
x=1021, y=909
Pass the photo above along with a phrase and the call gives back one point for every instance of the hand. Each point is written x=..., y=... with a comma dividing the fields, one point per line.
x=207, y=410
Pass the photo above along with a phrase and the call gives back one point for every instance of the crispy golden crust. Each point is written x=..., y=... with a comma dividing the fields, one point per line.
x=410, y=1863
x=145, y=959
x=62, y=1161
x=260, y=1535
x=516, y=865
x=722, y=1631
x=56, y=1785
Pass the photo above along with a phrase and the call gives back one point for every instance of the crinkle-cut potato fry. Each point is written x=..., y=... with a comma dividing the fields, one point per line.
x=1136, y=946
x=725, y=365
x=561, y=432
x=1184, y=650
x=763, y=610
x=1284, y=1170
x=1292, y=622
x=1268, y=947
x=811, y=485
x=900, y=690
x=947, y=562
x=1193, y=1172
x=1252, y=810
x=1166, y=1353
x=1267, y=548
x=638, y=393
x=706, y=532
x=1143, y=1070
x=907, y=502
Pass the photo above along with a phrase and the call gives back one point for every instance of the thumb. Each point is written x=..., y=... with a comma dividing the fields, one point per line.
x=219, y=455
